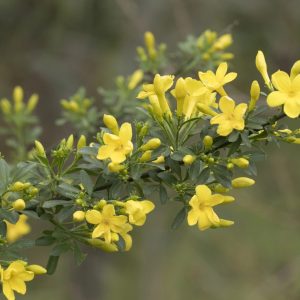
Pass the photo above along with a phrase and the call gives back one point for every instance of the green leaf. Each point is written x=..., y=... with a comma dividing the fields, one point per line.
x=78, y=255
x=60, y=249
x=86, y=182
x=53, y=203
x=4, y=175
x=45, y=241
x=222, y=175
x=10, y=216
x=3, y=228
x=180, y=217
x=195, y=169
x=204, y=175
x=52, y=264
x=163, y=194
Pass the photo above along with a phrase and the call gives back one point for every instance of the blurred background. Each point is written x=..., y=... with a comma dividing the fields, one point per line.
x=52, y=47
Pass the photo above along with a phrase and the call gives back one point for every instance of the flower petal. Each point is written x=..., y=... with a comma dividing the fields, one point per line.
x=225, y=128
x=104, y=152
x=281, y=81
x=192, y=217
x=240, y=110
x=125, y=132
x=229, y=77
x=292, y=108
x=221, y=71
x=93, y=216
x=226, y=105
x=203, y=221
x=276, y=98
x=203, y=193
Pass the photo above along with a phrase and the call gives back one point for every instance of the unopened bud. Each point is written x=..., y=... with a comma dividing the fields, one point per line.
x=17, y=186
x=36, y=269
x=78, y=216
x=102, y=245
x=115, y=167
x=111, y=123
x=207, y=142
x=241, y=162
x=242, y=182
x=295, y=69
x=32, y=102
x=19, y=204
x=254, y=94
x=151, y=144
x=40, y=148
x=70, y=142
x=146, y=156
x=159, y=160
x=188, y=159
x=81, y=142
x=5, y=106
x=261, y=66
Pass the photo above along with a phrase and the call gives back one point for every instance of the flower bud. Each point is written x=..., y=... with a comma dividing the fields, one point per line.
x=78, y=216
x=36, y=269
x=135, y=79
x=207, y=142
x=70, y=142
x=241, y=162
x=150, y=44
x=188, y=159
x=81, y=142
x=219, y=188
x=111, y=123
x=40, y=148
x=146, y=156
x=32, y=102
x=19, y=204
x=205, y=109
x=151, y=144
x=73, y=106
x=254, y=93
x=295, y=69
x=230, y=166
x=159, y=160
x=102, y=245
x=65, y=104
x=141, y=53
x=242, y=182
x=18, y=95
x=17, y=186
x=261, y=66
x=5, y=106
x=226, y=223
x=115, y=167
x=223, y=42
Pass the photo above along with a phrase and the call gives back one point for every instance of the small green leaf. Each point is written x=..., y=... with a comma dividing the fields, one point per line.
x=163, y=194
x=180, y=217
x=52, y=264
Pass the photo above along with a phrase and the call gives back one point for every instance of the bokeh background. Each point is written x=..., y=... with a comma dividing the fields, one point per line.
x=54, y=46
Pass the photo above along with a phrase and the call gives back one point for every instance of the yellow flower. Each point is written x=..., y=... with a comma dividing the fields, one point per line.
x=137, y=211
x=287, y=94
x=216, y=81
x=107, y=222
x=16, y=231
x=117, y=146
x=232, y=117
x=161, y=84
x=202, y=208
x=13, y=279
x=126, y=237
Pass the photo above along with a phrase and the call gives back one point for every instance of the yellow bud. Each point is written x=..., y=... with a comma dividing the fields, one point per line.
x=135, y=79
x=188, y=159
x=17, y=186
x=219, y=188
x=102, y=203
x=254, y=93
x=5, y=106
x=19, y=204
x=115, y=167
x=40, y=148
x=150, y=44
x=240, y=162
x=102, y=245
x=78, y=216
x=207, y=142
x=70, y=142
x=225, y=223
x=36, y=269
x=18, y=94
x=296, y=141
x=295, y=69
x=261, y=66
x=111, y=123
x=228, y=199
x=141, y=53
x=146, y=156
x=223, y=42
x=32, y=102
x=205, y=109
x=33, y=191
x=226, y=56
x=81, y=142
x=230, y=166
x=73, y=106
x=242, y=182
x=180, y=93
x=159, y=160
x=151, y=144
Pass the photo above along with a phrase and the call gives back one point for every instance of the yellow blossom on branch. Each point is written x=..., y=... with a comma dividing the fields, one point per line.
x=216, y=81
x=117, y=147
x=287, y=94
x=232, y=116
x=18, y=230
x=137, y=211
x=202, y=208
x=107, y=222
